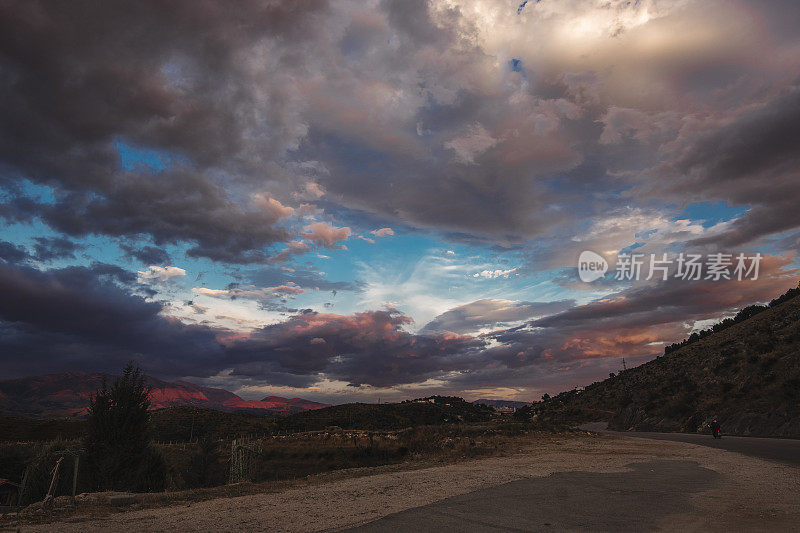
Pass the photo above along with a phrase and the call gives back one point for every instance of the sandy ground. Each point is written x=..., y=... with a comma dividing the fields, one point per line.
x=752, y=494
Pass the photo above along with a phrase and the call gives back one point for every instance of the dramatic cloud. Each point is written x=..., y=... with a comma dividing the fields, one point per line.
x=450, y=117
x=496, y=140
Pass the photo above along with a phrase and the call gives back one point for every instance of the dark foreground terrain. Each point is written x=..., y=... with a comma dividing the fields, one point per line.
x=553, y=483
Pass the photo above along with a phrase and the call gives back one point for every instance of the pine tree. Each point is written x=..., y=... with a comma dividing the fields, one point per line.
x=117, y=441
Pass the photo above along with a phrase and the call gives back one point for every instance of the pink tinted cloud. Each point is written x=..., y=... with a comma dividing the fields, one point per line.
x=327, y=235
x=272, y=206
x=383, y=232
x=293, y=248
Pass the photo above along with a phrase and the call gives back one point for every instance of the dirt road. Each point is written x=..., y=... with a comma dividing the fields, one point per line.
x=668, y=485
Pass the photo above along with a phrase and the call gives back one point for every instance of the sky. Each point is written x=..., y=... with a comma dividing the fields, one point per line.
x=363, y=200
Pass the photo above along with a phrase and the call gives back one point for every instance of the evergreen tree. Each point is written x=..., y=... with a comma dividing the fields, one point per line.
x=117, y=441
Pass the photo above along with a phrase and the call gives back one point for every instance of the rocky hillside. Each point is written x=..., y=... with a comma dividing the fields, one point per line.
x=67, y=394
x=746, y=374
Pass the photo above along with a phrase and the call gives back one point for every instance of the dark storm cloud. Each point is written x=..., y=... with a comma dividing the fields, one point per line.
x=170, y=207
x=150, y=255
x=752, y=160
x=89, y=318
x=13, y=253
x=366, y=348
x=49, y=248
x=231, y=90
x=81, y=318
x=80, y=77
x=408, y=111
x=84, y=72
x=756, y=142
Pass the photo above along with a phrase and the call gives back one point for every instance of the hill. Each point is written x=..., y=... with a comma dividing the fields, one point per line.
x=186, y=423
x=747, y=374
x=67, y=395
x=435, y=410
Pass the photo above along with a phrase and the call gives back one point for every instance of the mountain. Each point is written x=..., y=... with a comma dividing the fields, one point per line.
x=67, y=394
x=500, y=403
x=746, y=374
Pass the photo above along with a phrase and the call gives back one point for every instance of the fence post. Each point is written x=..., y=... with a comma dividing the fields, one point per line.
x=48, y=500
x=75, y=478
x=22, y=486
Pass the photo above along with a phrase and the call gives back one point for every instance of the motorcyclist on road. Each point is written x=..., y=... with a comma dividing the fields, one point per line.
x=715, y=429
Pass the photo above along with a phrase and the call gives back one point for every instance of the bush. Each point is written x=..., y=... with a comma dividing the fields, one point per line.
x=205, y=468
x=523, y=413
x=13, y=459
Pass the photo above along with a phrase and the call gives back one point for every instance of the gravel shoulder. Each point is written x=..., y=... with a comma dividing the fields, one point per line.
x=751, y=493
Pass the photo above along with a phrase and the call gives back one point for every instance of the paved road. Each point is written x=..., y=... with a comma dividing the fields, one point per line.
x=565, y=501
x=782, y=450
x=626, y=501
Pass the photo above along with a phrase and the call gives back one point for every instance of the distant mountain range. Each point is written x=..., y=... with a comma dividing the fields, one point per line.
x=500, y=403
x=67, y=394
